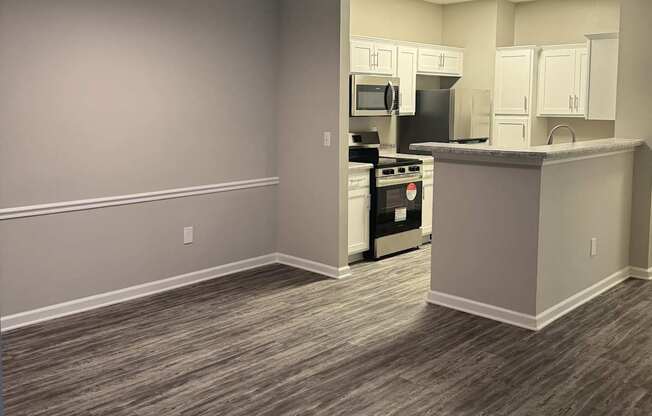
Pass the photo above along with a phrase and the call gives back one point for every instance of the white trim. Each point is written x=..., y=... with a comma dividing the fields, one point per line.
x=19, y=320
x=482, y=309
x=313, y=266
x=86, y=204
x=549, y=315
x=531, y=322
x=640, y=273
x=594, y=156
x=35, y=316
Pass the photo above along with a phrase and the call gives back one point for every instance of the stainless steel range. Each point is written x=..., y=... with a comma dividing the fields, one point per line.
x=396, y=186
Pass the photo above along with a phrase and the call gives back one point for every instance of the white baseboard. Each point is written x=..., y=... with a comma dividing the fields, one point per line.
x=312, y=266
x=482, y=309
x=19, y=320
x=552, y=314
x=531, y=322
x=640, y=273
x=35, y=316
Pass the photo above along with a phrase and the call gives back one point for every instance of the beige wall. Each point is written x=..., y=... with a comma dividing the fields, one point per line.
x=409, y=20
x=472, y=26
x=505, y=23
x=308, y=105
x=110, y=98
x=633, y=117
x=547, y=22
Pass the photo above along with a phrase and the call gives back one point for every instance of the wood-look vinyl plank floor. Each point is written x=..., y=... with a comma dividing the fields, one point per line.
x=280, y=341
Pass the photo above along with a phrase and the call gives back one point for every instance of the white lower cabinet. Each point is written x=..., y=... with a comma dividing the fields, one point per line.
x=428, y=198
x=359, y=207
x=511, y=131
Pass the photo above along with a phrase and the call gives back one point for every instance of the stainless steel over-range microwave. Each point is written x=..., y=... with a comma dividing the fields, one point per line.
x=374, y=95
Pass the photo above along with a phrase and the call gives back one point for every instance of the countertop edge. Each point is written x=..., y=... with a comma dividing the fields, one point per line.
x=530, y=156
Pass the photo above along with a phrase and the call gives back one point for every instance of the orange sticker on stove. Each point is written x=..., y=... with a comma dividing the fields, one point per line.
x=411, y=192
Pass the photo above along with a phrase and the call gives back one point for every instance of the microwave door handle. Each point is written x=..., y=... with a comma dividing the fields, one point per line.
x=390, y=105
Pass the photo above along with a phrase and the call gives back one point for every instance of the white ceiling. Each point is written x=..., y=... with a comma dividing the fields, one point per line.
x=464, y=1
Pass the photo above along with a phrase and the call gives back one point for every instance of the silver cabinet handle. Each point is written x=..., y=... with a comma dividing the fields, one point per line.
x=376, y=60
x=570, y=102
x=443, y=60
x=525, y=103
x=523, y=132
x=371, y=61
x=577, y=103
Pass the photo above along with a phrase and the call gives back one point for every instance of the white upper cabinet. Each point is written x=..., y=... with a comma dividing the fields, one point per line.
x=385, y=59
x=563, y=81
x=453, y=62
x=407, y=72
x=515, y=74
x=362, y=56
x=581, y=80
x=603, y=80
x=369, y=57
x=441, y=61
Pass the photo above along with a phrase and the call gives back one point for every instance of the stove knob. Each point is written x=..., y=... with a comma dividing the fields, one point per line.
x=388, y=172
x=414, y=169
x=401, y=170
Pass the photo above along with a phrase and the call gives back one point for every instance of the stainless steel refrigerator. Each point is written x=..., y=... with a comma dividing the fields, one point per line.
x=444, y=116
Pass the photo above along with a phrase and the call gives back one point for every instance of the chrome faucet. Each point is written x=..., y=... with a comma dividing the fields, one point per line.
x=551, y=136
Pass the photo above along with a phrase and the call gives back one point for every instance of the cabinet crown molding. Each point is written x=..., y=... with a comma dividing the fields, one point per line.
x=405, y=43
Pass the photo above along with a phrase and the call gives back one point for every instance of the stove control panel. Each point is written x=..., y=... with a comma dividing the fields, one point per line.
x=414, y=170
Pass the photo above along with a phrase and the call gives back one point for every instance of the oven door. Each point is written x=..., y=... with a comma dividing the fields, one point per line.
x=397, y=205
x=374, y=96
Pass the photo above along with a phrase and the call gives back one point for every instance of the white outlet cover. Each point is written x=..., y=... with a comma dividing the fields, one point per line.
x=594, y=247
x=188, y=235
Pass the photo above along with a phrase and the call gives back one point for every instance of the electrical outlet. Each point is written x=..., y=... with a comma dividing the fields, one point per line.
x=188, y=235
x=327, y=139
x=594, y=247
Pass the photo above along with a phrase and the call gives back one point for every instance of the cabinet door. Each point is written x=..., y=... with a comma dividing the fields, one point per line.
x=407, y=72
x=430, y=60
x=511, y=132
x=385, y=60
x=427, y=203
x=557, y=82
x=514, y=74
x=581, y=80
x=359, y=221
x=452, y=62
x=362, y=56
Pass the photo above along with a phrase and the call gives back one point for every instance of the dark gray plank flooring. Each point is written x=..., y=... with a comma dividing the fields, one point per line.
x=279, y=341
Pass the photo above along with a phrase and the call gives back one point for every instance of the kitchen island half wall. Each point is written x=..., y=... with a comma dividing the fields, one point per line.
x=526, y=235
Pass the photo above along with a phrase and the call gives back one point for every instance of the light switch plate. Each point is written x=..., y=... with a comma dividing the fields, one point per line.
x=188, y=235
x=327, y=139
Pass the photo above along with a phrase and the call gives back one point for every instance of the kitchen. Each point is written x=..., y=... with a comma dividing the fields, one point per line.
x=495, y=77
x=178, y=205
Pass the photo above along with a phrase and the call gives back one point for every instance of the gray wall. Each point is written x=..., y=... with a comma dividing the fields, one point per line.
x=633, y=117
x=309, y=104
x=103, y=98
x=116, y=97
x=491, y=255
x=582, y=200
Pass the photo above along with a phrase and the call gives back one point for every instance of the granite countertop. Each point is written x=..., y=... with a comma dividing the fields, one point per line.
x=360, y=167
x=391, y=152
x=527, y=155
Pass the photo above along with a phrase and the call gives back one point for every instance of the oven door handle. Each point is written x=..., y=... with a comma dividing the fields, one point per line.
x=383, y=182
